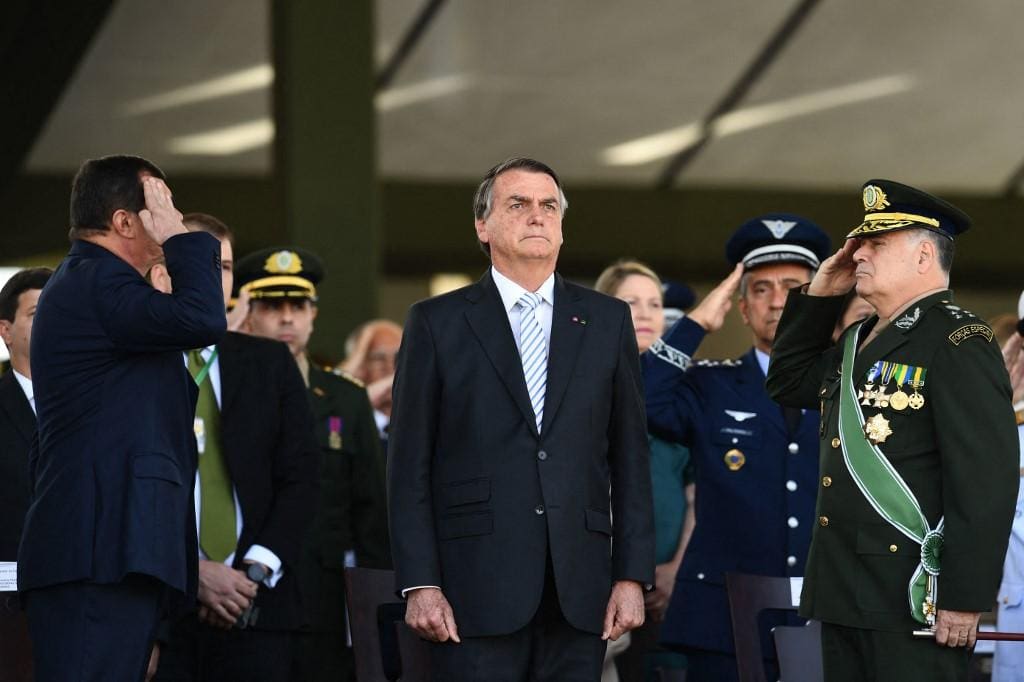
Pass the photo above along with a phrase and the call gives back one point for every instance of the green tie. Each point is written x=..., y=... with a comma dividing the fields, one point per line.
x=216, y=500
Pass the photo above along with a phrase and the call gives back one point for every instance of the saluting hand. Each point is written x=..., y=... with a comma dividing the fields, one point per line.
x=160, y=219
x=625, y=609
x=430, y=615
x=837, y=274
x=710, y=312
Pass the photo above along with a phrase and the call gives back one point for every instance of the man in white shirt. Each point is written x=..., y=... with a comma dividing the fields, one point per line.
x=17, y=405
x=255, y=496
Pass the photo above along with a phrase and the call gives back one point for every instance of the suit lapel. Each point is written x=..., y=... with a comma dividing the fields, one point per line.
x=567, y=327
x=232, y=368
x=489, y=322
x=15, y=404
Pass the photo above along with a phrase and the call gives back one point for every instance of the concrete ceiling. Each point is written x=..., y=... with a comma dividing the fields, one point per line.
x=927, y=91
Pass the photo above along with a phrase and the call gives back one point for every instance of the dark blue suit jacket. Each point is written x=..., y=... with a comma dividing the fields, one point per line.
x=113, y=473
x=477, y=498
x=755, y=517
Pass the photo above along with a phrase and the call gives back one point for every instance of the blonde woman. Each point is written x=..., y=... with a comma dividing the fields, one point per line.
x=638, y=285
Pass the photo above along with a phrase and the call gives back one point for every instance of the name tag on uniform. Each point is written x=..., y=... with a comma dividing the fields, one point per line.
x=199, y=427
x=8, y=576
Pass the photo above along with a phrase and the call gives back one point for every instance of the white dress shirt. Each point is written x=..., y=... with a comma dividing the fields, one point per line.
x=257, y=553
x=26, y=387
x=511, y=292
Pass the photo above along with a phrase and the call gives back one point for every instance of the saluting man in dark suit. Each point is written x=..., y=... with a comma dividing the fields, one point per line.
x=518, y=475
x=756, y=464
x=919, y=448
x=350, y=526
x=110, y=525
x=255, y=498
x=18, y=300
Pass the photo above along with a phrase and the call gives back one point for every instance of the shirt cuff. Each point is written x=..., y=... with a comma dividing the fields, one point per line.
x=262, y=555
x=418, y=587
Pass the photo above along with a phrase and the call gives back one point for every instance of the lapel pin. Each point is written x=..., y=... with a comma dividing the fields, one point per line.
x=579, y=320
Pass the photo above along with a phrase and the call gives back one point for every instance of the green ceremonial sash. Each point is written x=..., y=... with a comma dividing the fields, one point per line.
x=887, y=492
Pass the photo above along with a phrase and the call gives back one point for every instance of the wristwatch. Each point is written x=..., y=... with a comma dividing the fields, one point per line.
x=256, y=573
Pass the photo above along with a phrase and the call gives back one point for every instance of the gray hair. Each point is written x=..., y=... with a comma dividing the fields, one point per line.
x=483, y=200
x=944, y=248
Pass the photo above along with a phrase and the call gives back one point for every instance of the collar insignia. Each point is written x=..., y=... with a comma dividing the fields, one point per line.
x=909, y=320
x=779, y=228
x=283, y=263
x=874, y=198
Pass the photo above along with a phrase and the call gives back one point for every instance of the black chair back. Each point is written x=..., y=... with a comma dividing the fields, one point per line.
x=384, y=647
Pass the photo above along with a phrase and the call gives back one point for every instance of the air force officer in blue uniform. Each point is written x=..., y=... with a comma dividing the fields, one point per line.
x=756, y=464
x=109, y=526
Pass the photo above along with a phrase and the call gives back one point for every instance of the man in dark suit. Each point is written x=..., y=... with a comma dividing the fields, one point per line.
x=755, y=463
x=919, y=447
x=255, y=497
x=350, y=527
x=110, y=524
x=517, y=408
x=18, y=300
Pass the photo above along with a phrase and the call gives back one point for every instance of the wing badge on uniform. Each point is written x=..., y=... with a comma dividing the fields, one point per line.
x=741, y=416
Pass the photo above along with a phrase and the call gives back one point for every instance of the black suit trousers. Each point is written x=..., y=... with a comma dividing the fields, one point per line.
x=87, y=632
x=198, y=652
x=548, y=649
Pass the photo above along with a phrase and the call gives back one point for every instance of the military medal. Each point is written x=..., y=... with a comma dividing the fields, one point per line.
x=882, y=396
x=868, y=394
x=900, y=400
x=334, y=437
x=734, y=459
x=877, y=429
x=916, y=401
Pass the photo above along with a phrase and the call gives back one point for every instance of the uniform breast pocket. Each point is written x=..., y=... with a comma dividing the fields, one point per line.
x=887, y=560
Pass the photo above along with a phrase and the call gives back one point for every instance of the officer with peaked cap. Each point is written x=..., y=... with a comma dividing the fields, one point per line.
x=351, y=525
x=755, y=463
x=919, y=450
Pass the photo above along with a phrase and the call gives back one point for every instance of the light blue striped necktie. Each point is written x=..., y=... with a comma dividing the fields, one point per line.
x=534, y=353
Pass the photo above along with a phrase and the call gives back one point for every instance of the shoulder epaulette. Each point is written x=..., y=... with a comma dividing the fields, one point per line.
x=719, y=363
x=348, y=377
x=956, y=312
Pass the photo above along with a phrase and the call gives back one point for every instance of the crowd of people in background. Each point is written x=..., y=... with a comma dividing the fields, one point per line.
x=288, y=477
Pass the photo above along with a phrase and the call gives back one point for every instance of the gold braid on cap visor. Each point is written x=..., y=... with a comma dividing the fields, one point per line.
x=882, y=222
x=304, y=286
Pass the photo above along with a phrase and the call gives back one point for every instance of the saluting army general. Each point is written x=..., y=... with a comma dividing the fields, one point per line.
x=919, y=447
x=350, y=527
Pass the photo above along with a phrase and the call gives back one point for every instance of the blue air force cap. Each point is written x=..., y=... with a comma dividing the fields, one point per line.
x=890, y=206
x=778, y=238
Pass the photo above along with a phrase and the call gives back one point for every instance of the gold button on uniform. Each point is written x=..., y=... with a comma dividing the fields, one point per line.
x=893, y=548
x=823, y=520
x=835, y=442
x=826, y=481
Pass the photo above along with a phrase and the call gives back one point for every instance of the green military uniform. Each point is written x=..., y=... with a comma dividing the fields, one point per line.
x=350, y=527
x=950, y=435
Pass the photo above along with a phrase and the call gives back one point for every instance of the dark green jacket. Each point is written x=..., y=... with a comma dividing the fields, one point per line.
x=352, y=515
x=958, y=453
